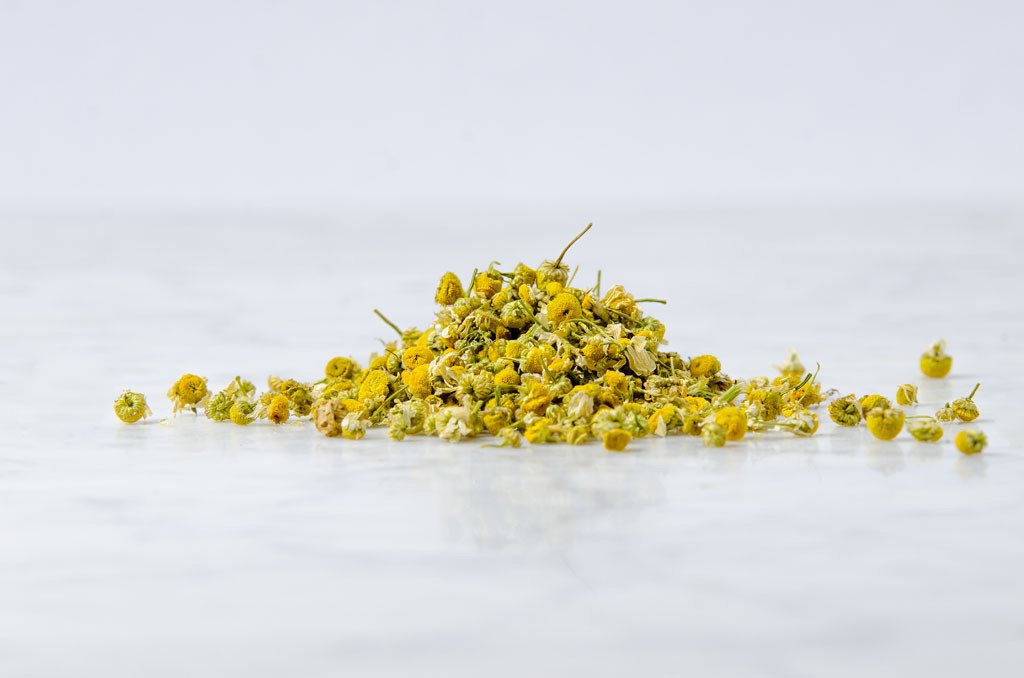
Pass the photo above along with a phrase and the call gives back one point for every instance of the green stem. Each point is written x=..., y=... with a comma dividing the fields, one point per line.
x=653, y=301
x=558, y=261
x=388, y=322
x=976, y=387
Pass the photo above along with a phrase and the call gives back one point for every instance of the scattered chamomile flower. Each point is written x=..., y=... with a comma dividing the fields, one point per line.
x=906, y=394
x=970, y=441
x=713, y=435
x=733, y=422
x=792, y=366
x=946, y=413
x=845, y=411
x=131, y=406
x=617, y=439
x=964, y=408
x=925, y=429
x=885, y=423
x=278, y=409
x=189, y=392
x=870, y=402
x=243, y=412
x=935, y=362
x=801, y=423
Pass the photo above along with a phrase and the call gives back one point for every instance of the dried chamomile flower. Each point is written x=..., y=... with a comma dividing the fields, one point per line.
x=278, y=409
x=616, y=439
x=414, y=356
x=218, y=406
x=131, y=406
x=845, y=411
x=418, y=381
x=925, y=429
x=507, y=377
x=329, y=416
x=870, y=402
x=243, y=412
x=705, y=366
x=189, y=392
x=563, y=307
x=713, y=434
x=906, y=394
x=935, y=362
x=733, y=422
x=487, y=284
x=449, y=290
x=946, y=413
x=791, y=366
x=885, y=423
x=964, y=408
x=510, y=437
x=556, y=271
x=340, y=368
x=970, y=441
x=801, y=423
x=376, y=384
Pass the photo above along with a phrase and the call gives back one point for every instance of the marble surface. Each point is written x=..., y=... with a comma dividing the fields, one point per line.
x=183, y=547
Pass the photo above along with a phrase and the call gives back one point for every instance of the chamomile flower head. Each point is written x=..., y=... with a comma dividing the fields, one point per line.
x=552, y=271
x=906, y=394
x=563, y=306
x=791, y=366
x=414, y=356
x=188, y=392
x=885, y=423
x=970, y=441
x=870, y=402
x=705, y=366
x=340, y=368
x=845, y=411
x=376, y=384
x=417, y=381
x=507, y=377
x=964, y=408
x=487, y=284
x=616, y=440
x=449, y=289
x=935, y=362
x=278, y=409
x=242, y=412
x=733, y=421
x=131, y=406
x=713, y=435
x=927, y=429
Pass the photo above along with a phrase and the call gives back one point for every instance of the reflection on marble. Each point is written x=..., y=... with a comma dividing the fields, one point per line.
x=182, y=547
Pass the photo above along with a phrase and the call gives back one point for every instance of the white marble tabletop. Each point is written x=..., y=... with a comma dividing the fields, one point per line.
x=188, y=548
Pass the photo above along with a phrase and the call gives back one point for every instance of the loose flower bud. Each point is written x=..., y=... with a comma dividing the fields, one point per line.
x=970, y=441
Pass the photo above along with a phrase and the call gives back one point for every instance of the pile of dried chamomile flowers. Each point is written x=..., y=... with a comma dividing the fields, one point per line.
x=525, y=355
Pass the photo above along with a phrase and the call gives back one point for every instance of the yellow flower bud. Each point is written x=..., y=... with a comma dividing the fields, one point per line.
x=617, y=439
x=970, y=441
x=934, y=362
x=705, y=366
x=131, y=406
x=449, y=290
x=733, y=422
x=885, y=423
x=906, y=394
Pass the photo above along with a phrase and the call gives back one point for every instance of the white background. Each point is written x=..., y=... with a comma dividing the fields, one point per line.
x=232, y=188
x=323, y=105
